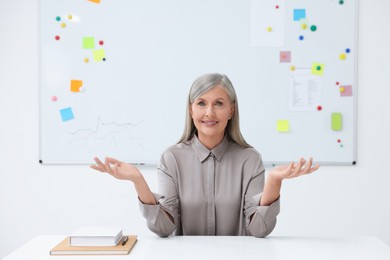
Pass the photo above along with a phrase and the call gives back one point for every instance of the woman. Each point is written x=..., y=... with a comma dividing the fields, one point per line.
x=212, y=182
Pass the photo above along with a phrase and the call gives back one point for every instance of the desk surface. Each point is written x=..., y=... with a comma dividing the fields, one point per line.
x=197, y=247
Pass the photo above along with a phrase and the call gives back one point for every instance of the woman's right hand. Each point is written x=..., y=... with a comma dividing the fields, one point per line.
x=118, y=169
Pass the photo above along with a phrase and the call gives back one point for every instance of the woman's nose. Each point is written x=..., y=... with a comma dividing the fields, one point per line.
x=210, y=111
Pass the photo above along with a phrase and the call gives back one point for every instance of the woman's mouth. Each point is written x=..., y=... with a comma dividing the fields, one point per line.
x=210, y=122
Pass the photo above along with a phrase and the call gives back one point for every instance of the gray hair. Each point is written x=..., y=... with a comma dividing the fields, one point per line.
x=202, y=85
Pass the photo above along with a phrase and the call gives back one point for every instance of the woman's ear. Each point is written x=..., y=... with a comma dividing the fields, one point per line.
x=232, y=112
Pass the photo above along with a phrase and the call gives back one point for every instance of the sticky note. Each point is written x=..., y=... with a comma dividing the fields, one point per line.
x=299, y=14
x=88, y=42
x=285, y=56
x=66, y=114
x=98, y=55
x=337, y=121
x=75, y=85
x=317, y=69
x=95, y=1
x=346, y=91
x=283, y=126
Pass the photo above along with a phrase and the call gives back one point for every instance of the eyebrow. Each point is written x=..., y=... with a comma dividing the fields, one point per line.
x=220, y=98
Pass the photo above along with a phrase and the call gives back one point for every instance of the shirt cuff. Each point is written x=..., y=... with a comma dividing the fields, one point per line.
x=263, y=219
x=148, y=211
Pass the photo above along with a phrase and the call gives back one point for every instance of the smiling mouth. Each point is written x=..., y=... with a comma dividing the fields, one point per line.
x=210, y=122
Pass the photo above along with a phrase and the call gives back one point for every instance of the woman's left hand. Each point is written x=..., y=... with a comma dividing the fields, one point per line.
x=293, y=170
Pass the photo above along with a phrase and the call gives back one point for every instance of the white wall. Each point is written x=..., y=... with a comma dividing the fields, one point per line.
x=36, y=199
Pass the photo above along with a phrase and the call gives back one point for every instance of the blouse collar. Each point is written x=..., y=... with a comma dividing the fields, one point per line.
x=203, y=152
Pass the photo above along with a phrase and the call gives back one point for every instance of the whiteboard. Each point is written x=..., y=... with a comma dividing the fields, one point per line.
x=114, y=75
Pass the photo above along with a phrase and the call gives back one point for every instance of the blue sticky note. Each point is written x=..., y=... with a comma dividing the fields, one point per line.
x=299, y=14
x=66, y=114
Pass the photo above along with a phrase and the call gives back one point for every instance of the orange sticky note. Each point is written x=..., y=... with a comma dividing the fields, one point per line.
x=75, y=85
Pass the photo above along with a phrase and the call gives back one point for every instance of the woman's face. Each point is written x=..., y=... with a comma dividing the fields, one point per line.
x=211, y=113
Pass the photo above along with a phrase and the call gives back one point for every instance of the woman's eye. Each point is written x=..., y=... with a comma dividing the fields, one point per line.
x=201, y=103
x=218, y=103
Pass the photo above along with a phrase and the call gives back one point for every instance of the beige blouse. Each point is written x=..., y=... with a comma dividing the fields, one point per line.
x=210, y=192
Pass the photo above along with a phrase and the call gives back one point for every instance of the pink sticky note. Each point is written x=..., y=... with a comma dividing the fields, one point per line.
x=346, y=91
x=285, y=56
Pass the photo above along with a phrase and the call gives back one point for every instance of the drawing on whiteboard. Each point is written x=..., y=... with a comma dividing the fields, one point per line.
x=104, y=136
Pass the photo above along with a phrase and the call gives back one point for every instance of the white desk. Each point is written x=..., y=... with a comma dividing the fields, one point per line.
x=225, y=248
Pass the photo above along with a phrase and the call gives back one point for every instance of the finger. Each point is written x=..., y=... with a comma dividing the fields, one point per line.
x=298, y=167
x=95, y=167
x=99, y=163
x=310, y=168
x=107, y=165
x=306, y=168
x=114, y=161
x=314, y=168
x=111, y=160
x=290, y=168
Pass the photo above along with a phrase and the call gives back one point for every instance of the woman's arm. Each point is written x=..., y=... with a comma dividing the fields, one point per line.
x=125, y=171
x=276, y=175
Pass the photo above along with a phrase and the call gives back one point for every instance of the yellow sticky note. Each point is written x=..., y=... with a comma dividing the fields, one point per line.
x=98, y=55
x=88, y=42
x=75, y=85
x=283, y=126
x=317, y=69
x=337, y=121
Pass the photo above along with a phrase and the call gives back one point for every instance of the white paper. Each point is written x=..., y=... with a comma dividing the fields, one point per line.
x=305, y=90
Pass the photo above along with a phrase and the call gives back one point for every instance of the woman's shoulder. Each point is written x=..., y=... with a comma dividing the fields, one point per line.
x=176, y=150
x=174, y=155
x=248, y=157
x=179, y=147
x=248, y=152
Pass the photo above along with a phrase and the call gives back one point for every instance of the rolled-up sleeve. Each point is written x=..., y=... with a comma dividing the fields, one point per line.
x=260, y=220
x=159, y=217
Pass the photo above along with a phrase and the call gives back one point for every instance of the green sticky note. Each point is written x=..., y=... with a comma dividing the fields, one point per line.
x=337, y=121
x=317, y=69
x=283, y=126
x=98, y=55
x=88, y=42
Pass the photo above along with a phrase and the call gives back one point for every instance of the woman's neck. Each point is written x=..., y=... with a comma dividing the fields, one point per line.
x=210, y=142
